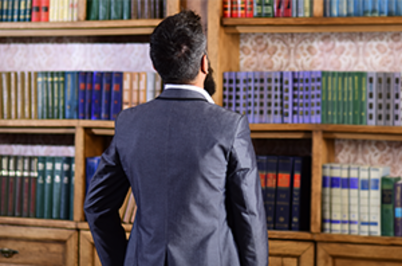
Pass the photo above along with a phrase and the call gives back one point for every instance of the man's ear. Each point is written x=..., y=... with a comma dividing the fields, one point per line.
x=204, y=64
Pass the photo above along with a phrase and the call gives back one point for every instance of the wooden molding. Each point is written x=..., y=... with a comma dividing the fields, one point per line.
x=79, y=179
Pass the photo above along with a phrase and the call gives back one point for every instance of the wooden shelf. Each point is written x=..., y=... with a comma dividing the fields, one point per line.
x=34, y=222
x=79, y=28
x=313, y=24
x=377, y=240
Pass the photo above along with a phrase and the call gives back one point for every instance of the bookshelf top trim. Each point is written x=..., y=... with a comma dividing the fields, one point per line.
x=79, y=28
x=313, y=24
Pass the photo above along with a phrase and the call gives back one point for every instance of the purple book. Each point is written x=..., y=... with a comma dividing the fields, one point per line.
x=225, y=90
x=398, y=209
x=88, y=95
x=301, y=97
x=317, y=97
x=116, y=95
x=278, y=96
x=287, y=97
x=389, y=99
x=250, y=97
x=397, y=99
x=371, y=96
x=232, y=92
x=307, y=97
x=268, y=97
x=380, y=121
x=240, y=88
x=295, y=111
x=82, y=78
x=257, y=97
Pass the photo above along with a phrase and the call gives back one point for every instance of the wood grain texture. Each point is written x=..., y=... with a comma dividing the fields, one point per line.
x=319, y=154
x=281, y=135
x=173, y=7
x=323, y=258
x=33, y=222
x=308, y=257
x=288, y=248
x=79, y=185
x=289, y=235
x=383, y=240
x=275, y=261
x=388, y=137
x=289, y=262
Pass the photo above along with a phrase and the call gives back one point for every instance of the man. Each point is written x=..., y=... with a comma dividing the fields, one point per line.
x=191, y=166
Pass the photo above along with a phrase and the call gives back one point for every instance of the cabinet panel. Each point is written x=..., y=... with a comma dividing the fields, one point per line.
x=330, y=254
x=291, y=253
x=39, y=246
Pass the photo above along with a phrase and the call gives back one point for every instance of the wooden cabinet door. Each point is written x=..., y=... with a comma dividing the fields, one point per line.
x=291, y=253
x=39, y=246
x=331, y=254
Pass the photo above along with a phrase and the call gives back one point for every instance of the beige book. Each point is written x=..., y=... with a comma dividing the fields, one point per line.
x=142, y=87
x=136, y=92
x=34, y=95
x=51, y=10
x=75, y=10
x=6, y=98
x=27, y=95
x=66, y=5
x=123, y=207
x=13, y=95
x=129, y=209
x=127, y=90
x=158, y=85
x=20, y=95
x=70, y=10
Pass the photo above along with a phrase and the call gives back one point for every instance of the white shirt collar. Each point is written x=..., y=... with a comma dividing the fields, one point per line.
x=192, y=88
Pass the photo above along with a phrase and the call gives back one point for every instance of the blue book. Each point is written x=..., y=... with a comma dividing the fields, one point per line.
x=301, y=97
x=258, y=98
x=336, y=207
x=295, y=97
x=72, y=183
x=243, y=92
x=359, y=8
x=96, y=96
x=398, y=7
x=232, y=92
x=48, y=190
x=28, y=10
x=342, y=8
x=105, y=104
x=301, y=194
x=225, y=95
x=317, y=96
x=375, y=8
x=88, y=94
x=40, y=188
x=326, y=198
x=334, y=8
x=92, y=164
x=16, y=9
x=277, y=89
x=270, y=189
x=294, y=8
x=71, y=94
x=65, y=188
x=262, y=172
x=250, y=97
x=10, y=10
x=82, y=78
x=21, y=10
x=327, y=8
x=56, y=187
x=307, y=97
x=300, y=8
x=116, y=95
x=266, y=97
x=350, y=8
x=283, y=193
x=384, y=6
x=39, y=86
x=287, y=97
x=391, y=7
x=367, y=8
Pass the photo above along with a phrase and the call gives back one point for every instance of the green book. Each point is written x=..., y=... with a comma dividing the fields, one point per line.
x=104, y=9
x=16, y=10
x=340, y=97
x=40, y=188
x=6, y=94
x=334, y=102
x=387, y=205
x=32, y=186
x=92, y=9
x=126, y=9
x=57, y=176
x=356, y=98
x=324, y=93
x=4, y=185
x=19, y=170
x=268, y=9
x=50, y=98
x=22, y=10
x=39, y=90
x=345, y=98
x=307, y=8
x=72, y=178
x=44, y=96
x=116, y=9
x=329, y=98
x=1, y=10
x=4, y=11
x=10, y=7
x=65, y=189
x=61, y=96
x=48, y=191
x=363, y=95
x=56, y=95
x=350, y=98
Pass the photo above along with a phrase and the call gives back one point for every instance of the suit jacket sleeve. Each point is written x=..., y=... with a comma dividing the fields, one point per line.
x=245, y=205
x=106, y=194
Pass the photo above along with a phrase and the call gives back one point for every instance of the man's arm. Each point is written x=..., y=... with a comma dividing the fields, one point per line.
x=245, y=204
x=106, y=194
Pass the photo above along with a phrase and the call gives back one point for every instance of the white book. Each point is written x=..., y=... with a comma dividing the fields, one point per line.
x=364, y=209
x=51, y=10
x=150, y=86
x=336, y=199
x=326, y=199
x=376, y=173
x=345, y=199
x=75, y=11
x=354, y=199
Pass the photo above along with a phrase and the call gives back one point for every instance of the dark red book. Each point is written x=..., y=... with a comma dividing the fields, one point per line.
x=238, y=9
x=287, y=8
x=33, y=175
x=3, y=185
x=18, y=186
x=278, y=8
x=249, y=8
x=25, y=187
x=11, y=185
x=36, y=8
x=227, y=8
x=44, y=14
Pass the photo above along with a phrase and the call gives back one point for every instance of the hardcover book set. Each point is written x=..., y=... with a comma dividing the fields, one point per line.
x=360, y=8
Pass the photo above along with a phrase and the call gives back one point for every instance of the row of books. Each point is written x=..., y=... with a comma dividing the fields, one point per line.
x=38, y=10
x=361, y=200
x=125, y=9
x=285, y=183
x=74, y=95
x=37, y=187
x=359, y=8
x=267, y=8
x=354, y=98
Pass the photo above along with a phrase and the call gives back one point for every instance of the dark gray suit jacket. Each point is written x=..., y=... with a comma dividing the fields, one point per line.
x=192, y=169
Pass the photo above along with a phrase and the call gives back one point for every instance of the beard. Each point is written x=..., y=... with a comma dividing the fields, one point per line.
x=209, y=82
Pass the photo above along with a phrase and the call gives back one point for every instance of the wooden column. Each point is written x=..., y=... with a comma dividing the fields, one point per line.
x=79, y=185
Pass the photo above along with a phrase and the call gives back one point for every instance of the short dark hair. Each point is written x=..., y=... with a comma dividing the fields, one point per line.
x=177, y=47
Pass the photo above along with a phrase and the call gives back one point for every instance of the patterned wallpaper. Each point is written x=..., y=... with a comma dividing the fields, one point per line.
x=332, y=51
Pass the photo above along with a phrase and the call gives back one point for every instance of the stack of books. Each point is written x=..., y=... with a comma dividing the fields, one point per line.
x=125, y=9
x=360, y=8
x=352, y=98
x=361, y=200
x=38, y=187
x=285, y=183
x=267, y=8
x=74, y=95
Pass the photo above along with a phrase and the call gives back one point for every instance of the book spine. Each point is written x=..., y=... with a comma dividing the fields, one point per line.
x=287, y=8
x=104, y=9
x=92, y=10
x=227, y=8
x=88, y=95
x=44, y=98
x=33, y=176
x=359, y=8
x=256, y=101
x=376, y=174
x=71, y=95
x=398, y=7
x=23, y=200
x=367, y=8
x=334, y=97
x=335, y=8
x=315, y=91
x=364, y=200
x=11, y=186
x=350, y=8
x=62, y=96
x=48, y=188
x=371, y=92
x=354, y=199
x=243, y=92
x=116, y=95
x=307, y=8
x=34, y=95
x=287, y=97
x=258, y=6
x=40, y=188
x=295, y=98
x=142, y=87
x=356, y=98
x=150, y=85
x=56, y=95
x=22, y=10
x=225, y=89
x=345, y=95
x=96, y=96
x=20, y=83
x=250, y=97
x=278, y=7
x=300, y=8
x=128, y=89
x=397, y=99
x=268, y=8
x=70, y=10
x=307, y=98
x=26, y=76
x=389, y=99
x=56, y=189
x=363, y=97
x=19, y=170
x=106, y=84
x=283, y=193
x=384, y=8
x=51, y=10
x=398, y=209
x=345, y=199
x=375, y=8
x=6, y=98
x=387, y=205
x=266, y=104
x=278, y=98
x=116, y=9
x=44, y=14
x=9, y=11
x=324, y=97
x=4, y=185
x=72, y=184
x=380, y=121
x=13, y=95
x=15, y=10
x=301, y=97
x=238, y=9
x=75, y=11
x=270, y=190
x=65, y=189
x=135, y=93
x=340, y=98
x=296, y=194
x=294, y=8
x=342, y=8
x=336, y=199
x=82, y=78
x=249, y=8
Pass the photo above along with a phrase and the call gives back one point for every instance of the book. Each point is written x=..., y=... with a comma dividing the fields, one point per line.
x=324, y=97
x=354, y=212
x=36, y=11
x=4, y=185
x=278, y=97
x=266, y=97
x=380, y=119
x=335, y=95
x=93, y=9
x=65, y=189
x=142, y=87
x=351, y=95
x=34, y=95
x=375, y=8
x=45, y=97
x=278, y=8
x=150, y=86
x=104, y=9
x=26, y=180
x=283, y=193
x=26, y=109
x=342, y=8
x=88, y=95
x=339, y=98
x=262, y=172
x=91, y=166
x=96, y=105
x=294, y=8
x=241, y=89
x=287, y=97
x=50, y=95
x=295, y=98
x=48, y=187
x=128, y=90
x=11, y=185
x=398, y=8
x=257, y=10
x=301, y=97
x=358, y=7
x=316, y=97
x=397, y=99
x=307, y=99
x=287, y=8
x=56, y=189
x=334, y=8
x=398, y=209
x=116, y=95
x=307, y=8
x=126, y=9
x=384, y=8
x=13, y=95
x=387, y=205
x=19, y=169
x=250, y=96
x=72, y=184
x=376, y=174
x=116, y=8
x=238, y=9
x=22, y=10
x=52, y=10
x=62, y=96
x=270, y=190
x=389, y=99
x=135, y=90
x=249, y=6
x=350, y=8
x=106, y=84
x=71, y=95
x=9, y=10
x=300, y=8
x=345, y=199
x=82, y=80
x=336, y=198
x=20, y=83
x=40, y=188
x=6, y=95
x=44, y=14
x=363, y=95
x=364, y=207
x=39, y=98
x=33, y=175
x=371, y=93
x=367, y=8
x=268, y=8
x=301, y=194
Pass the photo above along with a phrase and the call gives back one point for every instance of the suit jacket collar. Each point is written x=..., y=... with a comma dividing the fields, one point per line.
x=181, y=94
